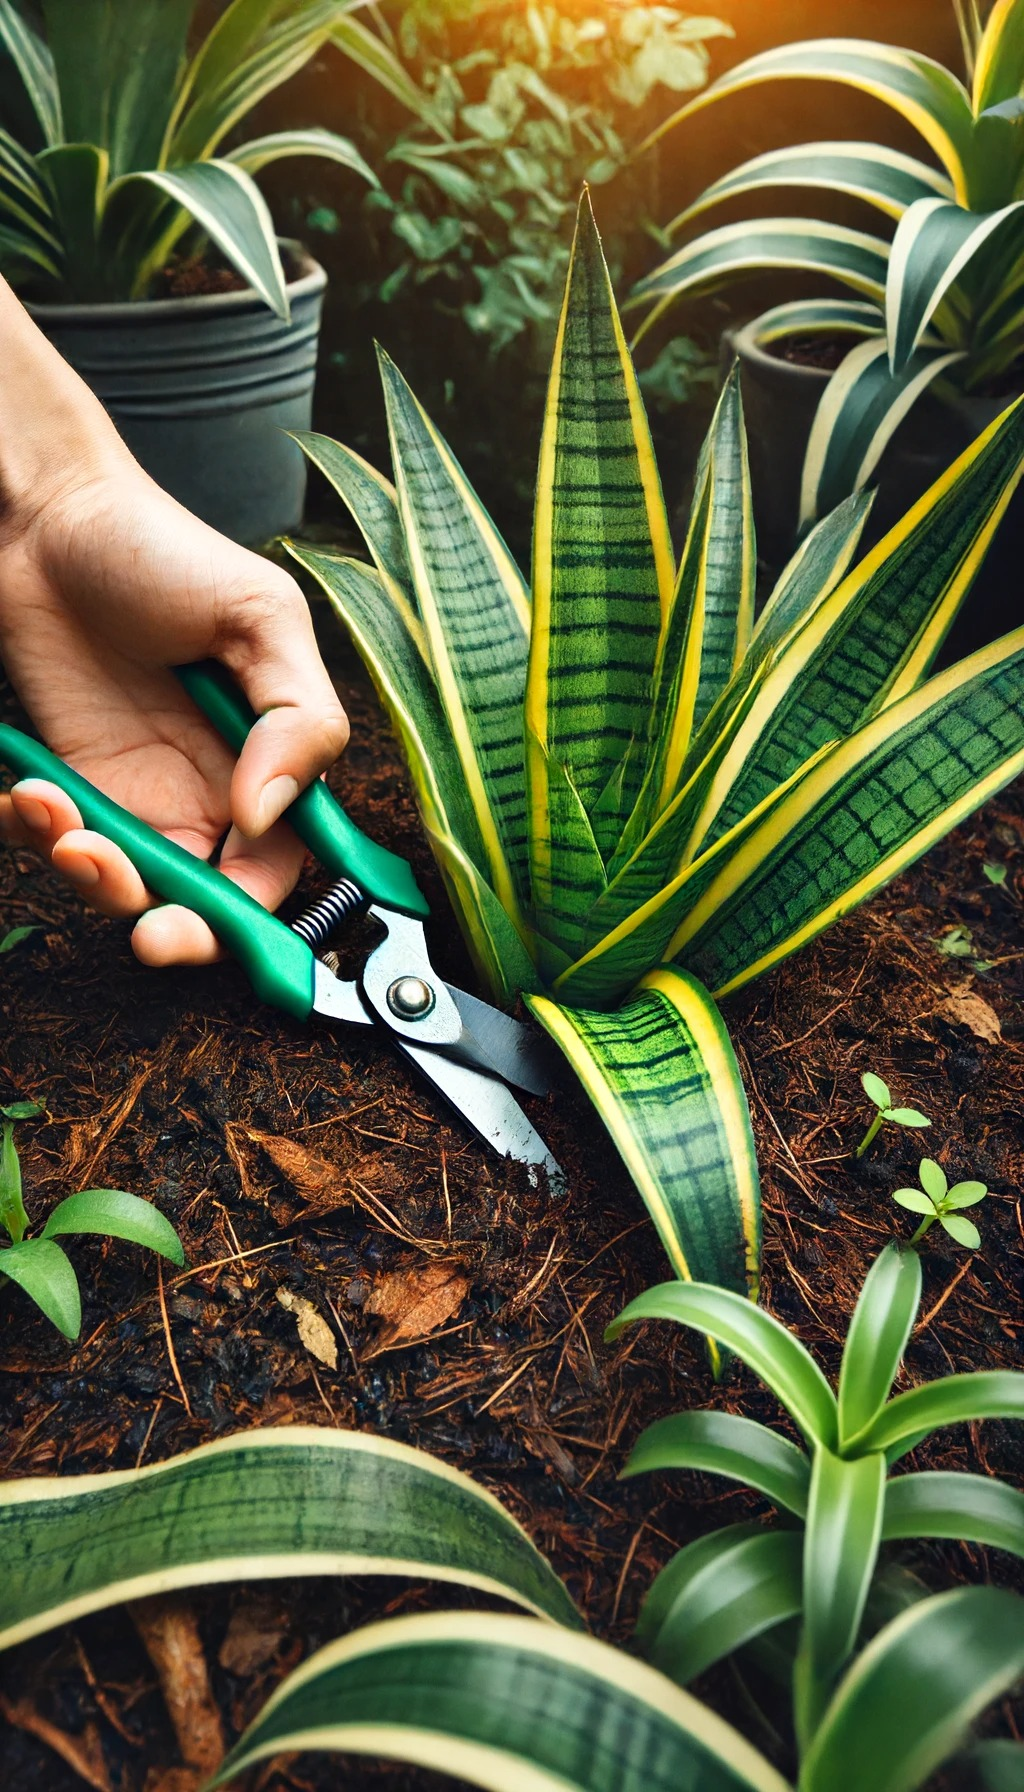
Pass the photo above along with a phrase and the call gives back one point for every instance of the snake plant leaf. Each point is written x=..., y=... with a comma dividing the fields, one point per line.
x=921, y=90
x=118, y=69
x=884, y=178
x=662, y=1074
x=603, y=569
x=820, y=317
x=806, y=245
x=373, y=503
x=717, y=1595
x=841, y=1541
x=41, y=1268
x=254, y=46
x=475, y=612
x=867, y=810
x=996, y=1766
x=25, y=201
x=116, y=1214
x=229, y=206
x=967, y=1508
x=577, y=877
x=956, y=1400
x=861, y=409
x=760, y=1341
x=260, y=152
x=286, y=1501
x=999, y=65
x=77, y=178
x=723, y=1443
x=502, y=1702
x=881, y=1325
x=877, y=634
x=907, y=1703
x=822, y=560
x=370, y=53
x=935, y=244
x=33, y=61
x=708, y=626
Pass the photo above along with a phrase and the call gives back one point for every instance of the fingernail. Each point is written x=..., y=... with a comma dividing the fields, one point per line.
x=84, y=873
x=274, y=800
x=34, y=815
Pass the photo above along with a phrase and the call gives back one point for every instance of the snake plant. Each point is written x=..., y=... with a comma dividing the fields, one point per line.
x=944, y=300
x=115, y=146
x=839, y=1499
x=635, y=793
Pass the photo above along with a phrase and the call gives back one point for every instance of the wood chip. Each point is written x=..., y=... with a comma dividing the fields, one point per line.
x=314, y=1330
x=170, y=1632
x=966, y=1009
x=253, y=1637
x=83, y=1754
x=415, y=1302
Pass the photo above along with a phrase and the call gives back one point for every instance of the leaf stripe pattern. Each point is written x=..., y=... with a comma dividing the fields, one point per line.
x=663, y=1077
x=474, y=609
x=603, y=566
x=869, y=811
x=373, y=504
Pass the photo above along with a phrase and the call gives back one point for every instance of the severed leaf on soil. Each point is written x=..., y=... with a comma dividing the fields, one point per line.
x=996, y=874
x=415, y=1302
x=314, y=1331
x=15, y=937
x=956, y=942
x=965, y=1009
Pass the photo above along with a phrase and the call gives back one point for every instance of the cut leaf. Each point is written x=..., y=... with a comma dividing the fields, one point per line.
x=662, y=1075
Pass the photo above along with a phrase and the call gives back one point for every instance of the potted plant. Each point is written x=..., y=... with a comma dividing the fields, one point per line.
x=114, y=168
x=937, y=311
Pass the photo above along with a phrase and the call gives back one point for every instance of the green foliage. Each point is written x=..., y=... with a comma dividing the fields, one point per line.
x=937, y=1201
x=878, y=1092
x=38, y=1265
x=946, y=296
x=14, y=937
x=619, y=769
x=124, y=165
x=742, y=1584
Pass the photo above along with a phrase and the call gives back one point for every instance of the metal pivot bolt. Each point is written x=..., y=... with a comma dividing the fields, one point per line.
x=410, y=998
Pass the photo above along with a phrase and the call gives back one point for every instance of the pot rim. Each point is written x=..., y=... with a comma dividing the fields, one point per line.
x=312, y=277
x=745, y=342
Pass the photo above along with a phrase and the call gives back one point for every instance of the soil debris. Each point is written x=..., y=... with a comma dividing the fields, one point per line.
x=413, y=1303
x=313, y=1329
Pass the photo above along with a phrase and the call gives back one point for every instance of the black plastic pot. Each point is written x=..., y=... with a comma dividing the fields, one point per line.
x=780, y=400
x=202, y=390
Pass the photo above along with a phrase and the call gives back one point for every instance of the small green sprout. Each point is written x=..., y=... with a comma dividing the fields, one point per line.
x=937, y=1201
x=996, y=874
x=878, y=1092
x=15, y=937
x=38, y=1265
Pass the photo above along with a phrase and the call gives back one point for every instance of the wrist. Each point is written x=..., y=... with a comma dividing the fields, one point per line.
x=55, y=435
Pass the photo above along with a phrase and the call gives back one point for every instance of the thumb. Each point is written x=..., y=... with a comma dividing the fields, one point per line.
x=272, y=651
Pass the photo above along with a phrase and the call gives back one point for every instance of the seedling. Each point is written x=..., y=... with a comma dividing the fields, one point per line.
x=39, y=1265
x=937, y=1201
x=878, y=1092
x=15, y=937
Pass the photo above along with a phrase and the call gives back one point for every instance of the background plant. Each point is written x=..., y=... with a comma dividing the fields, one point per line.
x=878, y=1092
x=616, y=768
x=937, y=1201
x=112, y=146
x=719, y=1594
x=39, y=1265
x=944, y=301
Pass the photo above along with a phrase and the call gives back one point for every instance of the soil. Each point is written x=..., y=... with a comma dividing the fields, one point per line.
x=823, y=352
x=179, y=1087
x=196, y=276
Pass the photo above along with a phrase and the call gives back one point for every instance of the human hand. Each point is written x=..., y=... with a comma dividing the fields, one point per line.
x=103, y=587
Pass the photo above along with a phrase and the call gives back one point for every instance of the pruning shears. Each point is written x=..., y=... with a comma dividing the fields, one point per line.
x=470, y=1051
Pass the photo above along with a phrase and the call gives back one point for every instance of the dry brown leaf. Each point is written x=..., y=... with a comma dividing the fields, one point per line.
x=966, y=1009
x=170, y=1632
x=314, y=1331
x=415, y=1302
x=253, y=1637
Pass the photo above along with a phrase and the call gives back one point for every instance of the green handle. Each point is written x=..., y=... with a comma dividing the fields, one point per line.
x=279, y=965
x=317, y=816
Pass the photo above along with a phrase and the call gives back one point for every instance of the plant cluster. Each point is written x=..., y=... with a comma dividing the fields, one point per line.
x=526, y=103
x=39, y=1265
x=112, y=143
x=944, y=301
x=629, y=784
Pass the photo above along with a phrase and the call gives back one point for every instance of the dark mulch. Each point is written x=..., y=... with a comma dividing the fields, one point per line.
x=178, y=1087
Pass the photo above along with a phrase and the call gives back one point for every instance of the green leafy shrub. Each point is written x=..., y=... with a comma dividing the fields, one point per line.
x=628, y=784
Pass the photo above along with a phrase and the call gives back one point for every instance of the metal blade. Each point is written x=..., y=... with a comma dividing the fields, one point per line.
x=339, y=1000
x=488, y=1107
x=518, y=1054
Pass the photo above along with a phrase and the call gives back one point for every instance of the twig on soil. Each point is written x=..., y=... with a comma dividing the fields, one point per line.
x=149, y=1431
x=170, y=1342
x=626, y=1565
x=83, y=1754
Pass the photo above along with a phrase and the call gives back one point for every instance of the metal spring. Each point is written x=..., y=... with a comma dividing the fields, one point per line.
x=317, y=923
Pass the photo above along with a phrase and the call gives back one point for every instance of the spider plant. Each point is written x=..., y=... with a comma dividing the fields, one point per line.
x=944, y=300
x=742, y=1581
x=121, y=153
x=635, y=793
